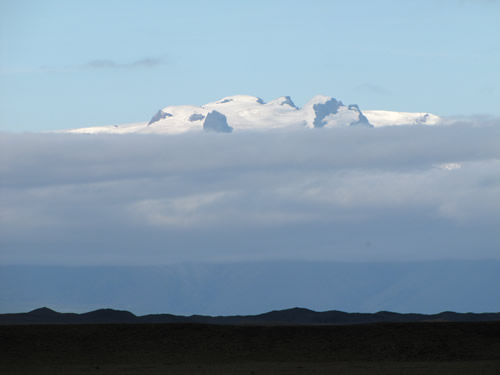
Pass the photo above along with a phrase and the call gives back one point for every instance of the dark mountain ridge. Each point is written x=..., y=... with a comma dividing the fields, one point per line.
x=294, y=316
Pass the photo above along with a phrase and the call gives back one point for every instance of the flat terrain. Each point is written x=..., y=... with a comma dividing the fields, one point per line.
x=386, y=348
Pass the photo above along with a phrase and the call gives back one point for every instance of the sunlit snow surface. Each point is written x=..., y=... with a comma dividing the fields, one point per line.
x=388, y=118
x=116, y=129
x=244, y=112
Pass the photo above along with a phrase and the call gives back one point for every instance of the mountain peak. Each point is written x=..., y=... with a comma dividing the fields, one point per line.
x=284, y=100
x=238, y=99
x=322, y=106
x=160, y=115
x=320, y=99
x=43, y=311
x=216, y=121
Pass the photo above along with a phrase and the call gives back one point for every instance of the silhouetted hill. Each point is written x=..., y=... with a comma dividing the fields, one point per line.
x=109, y=316
x=294, y=316
x=44, y=311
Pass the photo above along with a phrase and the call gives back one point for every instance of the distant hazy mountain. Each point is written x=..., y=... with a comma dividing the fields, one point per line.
x=244, y=112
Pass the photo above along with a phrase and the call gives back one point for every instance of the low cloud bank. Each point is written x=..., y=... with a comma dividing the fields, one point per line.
x=405, y=193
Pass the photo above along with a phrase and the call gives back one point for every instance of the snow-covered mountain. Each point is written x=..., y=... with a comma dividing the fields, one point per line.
x=244, y=112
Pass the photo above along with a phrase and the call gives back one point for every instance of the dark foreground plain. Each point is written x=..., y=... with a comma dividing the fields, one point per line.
x=383, y=348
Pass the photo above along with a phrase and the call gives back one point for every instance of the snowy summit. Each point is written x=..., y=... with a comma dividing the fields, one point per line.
x=244, y=112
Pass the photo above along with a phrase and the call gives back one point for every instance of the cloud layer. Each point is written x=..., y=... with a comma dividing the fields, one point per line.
x=333, y=194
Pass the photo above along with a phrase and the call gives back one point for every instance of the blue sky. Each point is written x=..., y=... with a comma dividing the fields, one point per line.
x=73, y=64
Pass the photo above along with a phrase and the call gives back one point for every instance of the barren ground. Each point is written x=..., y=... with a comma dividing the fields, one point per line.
x=398, y=348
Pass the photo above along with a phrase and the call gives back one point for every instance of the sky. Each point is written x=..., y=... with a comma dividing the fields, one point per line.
x=401, y=218
x=85, y=63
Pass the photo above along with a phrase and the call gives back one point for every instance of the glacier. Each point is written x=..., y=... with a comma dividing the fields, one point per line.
x=245, y=112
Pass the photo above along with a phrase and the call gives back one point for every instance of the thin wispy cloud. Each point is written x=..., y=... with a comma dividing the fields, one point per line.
x=148, y=62
x=106, y=65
